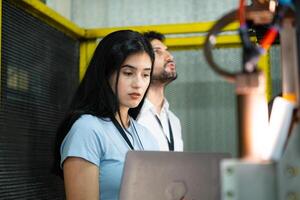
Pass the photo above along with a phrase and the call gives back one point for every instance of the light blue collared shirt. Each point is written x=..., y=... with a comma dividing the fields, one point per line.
x=99, y=142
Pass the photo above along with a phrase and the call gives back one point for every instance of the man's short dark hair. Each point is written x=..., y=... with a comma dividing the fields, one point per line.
x=152, y=35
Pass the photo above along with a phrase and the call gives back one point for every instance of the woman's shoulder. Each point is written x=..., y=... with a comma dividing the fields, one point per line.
x=90, y=125
x=90, y=121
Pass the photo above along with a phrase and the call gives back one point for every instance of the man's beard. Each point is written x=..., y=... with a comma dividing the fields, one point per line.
x=164, y=77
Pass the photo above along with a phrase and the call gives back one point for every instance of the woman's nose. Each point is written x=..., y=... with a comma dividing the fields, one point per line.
x=137, y=82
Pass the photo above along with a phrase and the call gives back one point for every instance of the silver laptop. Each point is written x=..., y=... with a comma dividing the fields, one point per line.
x=157, y=175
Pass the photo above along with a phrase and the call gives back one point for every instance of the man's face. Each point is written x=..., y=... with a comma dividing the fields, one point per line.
x=164, y=70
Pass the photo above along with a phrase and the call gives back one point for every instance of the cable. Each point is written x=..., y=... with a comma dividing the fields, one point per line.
x=210, y=42
x=273, y=31
x=241, y=13
x=251, y=52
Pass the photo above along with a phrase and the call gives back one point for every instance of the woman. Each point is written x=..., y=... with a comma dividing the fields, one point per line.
x=99, y=130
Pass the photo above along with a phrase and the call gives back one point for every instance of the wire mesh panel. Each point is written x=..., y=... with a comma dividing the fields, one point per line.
x=204, y=102
x=39, y=73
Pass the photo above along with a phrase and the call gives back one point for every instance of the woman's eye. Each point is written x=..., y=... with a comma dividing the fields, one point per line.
x=146, y=75
x=127, y=73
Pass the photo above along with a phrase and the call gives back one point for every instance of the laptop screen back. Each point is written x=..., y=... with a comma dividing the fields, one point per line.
x=151, y=175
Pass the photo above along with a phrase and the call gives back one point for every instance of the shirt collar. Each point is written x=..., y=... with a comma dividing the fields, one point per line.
x=149, y=106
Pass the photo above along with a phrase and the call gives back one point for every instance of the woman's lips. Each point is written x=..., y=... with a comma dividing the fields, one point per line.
x=135, y=95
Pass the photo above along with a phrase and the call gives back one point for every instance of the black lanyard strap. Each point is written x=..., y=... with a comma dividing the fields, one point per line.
x=171, y=141
x=122, y=132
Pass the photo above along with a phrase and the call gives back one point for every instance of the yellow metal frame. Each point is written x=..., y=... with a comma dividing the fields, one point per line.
x=49, y=16
x=186, y=28
x=198, y=42
x=88, y=37
x=86, y=51
x=264, y=65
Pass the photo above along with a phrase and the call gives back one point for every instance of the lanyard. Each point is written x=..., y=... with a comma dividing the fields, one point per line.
x=171, y=141
x=122, y=132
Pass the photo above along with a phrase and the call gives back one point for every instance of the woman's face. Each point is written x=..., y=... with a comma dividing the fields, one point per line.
x=134, y=80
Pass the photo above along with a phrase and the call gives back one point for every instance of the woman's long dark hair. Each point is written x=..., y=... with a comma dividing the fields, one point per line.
x=94, y=95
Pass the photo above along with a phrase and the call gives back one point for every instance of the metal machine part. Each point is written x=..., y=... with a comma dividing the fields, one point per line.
x=289, y=59
x=244, y=180
x=250, y=177
x=288, y=168
x=252, y=114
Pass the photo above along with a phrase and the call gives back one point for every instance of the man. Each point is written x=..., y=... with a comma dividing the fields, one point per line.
x=155, y=113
